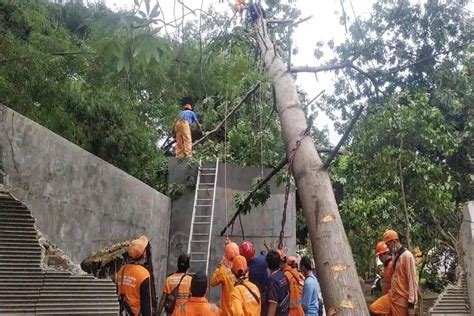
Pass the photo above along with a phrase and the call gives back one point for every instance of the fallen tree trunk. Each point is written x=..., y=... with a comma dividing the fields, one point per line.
x=335, y=266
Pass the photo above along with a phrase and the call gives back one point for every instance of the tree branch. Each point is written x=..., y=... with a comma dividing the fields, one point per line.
x=345, y=136
x=297, y=69
x=52, y=54
x=242, y=101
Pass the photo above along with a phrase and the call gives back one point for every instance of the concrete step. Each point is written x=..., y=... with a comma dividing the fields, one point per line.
x=15, y=214
x=24, y=253
x=12, y=234
x=12, y=230
x=11, y=218
x=15, y=245
x=7, y=269
x=16, y=225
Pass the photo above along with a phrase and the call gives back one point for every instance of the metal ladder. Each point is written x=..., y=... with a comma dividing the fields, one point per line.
x=200, y=234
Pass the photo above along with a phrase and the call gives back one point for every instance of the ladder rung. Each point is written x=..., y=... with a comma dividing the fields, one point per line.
x=202, y=223
x=208, y=174
x=200, y=234
x=198, y=253
x=192, y=260
x=208, y=169
x=206, y=183
x=204, y=199
x=206, y=189
x=203, y=205
x=199, y=240
x=203, y=216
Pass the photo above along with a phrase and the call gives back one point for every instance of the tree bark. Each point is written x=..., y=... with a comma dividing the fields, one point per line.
x=335, y=266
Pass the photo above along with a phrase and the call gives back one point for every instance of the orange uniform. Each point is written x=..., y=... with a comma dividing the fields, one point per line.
x=197, y=306
x=404, y=284
x=184, y=287
x=183, y=139
x=223, y=276
x=129, y=283
x=296, y=291
x=382, y=305
x=243, y=302
x=387, y=276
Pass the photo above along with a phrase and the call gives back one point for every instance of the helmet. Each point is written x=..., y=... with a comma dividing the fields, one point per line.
x=239, y=266
x=137, y=247
x=390, y=235
x=381, y=248
x=231, y=251
x=247, y=250
x=292, y=261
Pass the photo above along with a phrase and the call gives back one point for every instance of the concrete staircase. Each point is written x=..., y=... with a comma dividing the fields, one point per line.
x=26, y=288
x=454, y=301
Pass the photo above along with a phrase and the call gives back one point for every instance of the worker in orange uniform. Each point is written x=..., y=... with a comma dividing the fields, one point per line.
x=404, y=288
x=133, y=281
x=223, y=276
x=179, y=281
x=182, y=128
x=296, y=286
x=245, y=297
x=197, y=305
x=382, y=305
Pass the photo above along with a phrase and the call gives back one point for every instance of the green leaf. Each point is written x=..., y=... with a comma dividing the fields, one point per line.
x=155, y=12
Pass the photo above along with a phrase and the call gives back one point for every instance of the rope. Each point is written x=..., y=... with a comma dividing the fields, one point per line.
x=225, y=144
x=261, y=134
x=288, y=186
x=242, y=227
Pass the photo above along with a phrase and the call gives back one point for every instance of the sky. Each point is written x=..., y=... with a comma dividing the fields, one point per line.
x=323, y=26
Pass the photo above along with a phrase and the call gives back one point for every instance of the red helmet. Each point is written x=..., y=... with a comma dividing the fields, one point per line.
x=247, y=249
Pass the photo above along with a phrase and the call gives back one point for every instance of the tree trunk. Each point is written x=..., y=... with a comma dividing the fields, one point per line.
x=335, y=266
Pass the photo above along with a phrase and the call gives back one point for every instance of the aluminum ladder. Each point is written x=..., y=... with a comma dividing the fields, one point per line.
x=200, y=234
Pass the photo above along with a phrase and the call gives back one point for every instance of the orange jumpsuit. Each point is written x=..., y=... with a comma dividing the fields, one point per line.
x=404, y=284
x=296, y=291
x=197, y=306
x=129, y=280
x=383, y=304
x=183, y=139
x=242, y=302
x=224, y=276
x=184, y=287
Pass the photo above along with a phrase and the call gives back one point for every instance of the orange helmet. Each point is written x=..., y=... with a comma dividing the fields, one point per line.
x=239, y=265
x=381, y=248
x=231, y=251
x=247, y=249
x=137, y=247
x=292, y=261
x=390, y=235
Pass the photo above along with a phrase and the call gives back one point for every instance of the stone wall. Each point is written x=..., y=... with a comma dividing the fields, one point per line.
x=467, y=241
x=263, y=223
x=81, y=203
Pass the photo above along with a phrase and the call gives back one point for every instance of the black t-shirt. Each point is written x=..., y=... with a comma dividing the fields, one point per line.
x=278, y=288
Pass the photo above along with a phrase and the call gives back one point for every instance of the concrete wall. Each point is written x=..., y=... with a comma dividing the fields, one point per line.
x=80, y=202
x=467, y=241
x=263, y=223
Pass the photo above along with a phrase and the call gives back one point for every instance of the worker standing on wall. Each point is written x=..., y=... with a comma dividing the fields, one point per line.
x=296, y=286
x=223, y=276
x=133, y=281
x=197, y=305
x=245, y=298
x=404, y=290
x=382, y=305
x=176, y=290
x=278, y=295
x=182, y=128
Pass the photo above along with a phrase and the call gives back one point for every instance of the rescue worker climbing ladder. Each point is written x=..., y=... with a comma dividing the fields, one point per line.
x=182, y=128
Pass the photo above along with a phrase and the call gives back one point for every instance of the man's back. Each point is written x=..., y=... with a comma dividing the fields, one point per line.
x=278, y=291
x=310, y=299
x=223, y=276
x=245, y=299
x=184, y=286
x=129, y=283
x=296, y=290
x=197, y=306
x=258, y=274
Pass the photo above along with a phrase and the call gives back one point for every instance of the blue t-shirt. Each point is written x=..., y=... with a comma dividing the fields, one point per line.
x=258, y=274
x=278, y=289
x=310, y=299
x=189, y=116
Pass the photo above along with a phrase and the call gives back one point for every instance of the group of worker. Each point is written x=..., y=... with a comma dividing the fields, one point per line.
x=400, y=288
x=266, y=284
